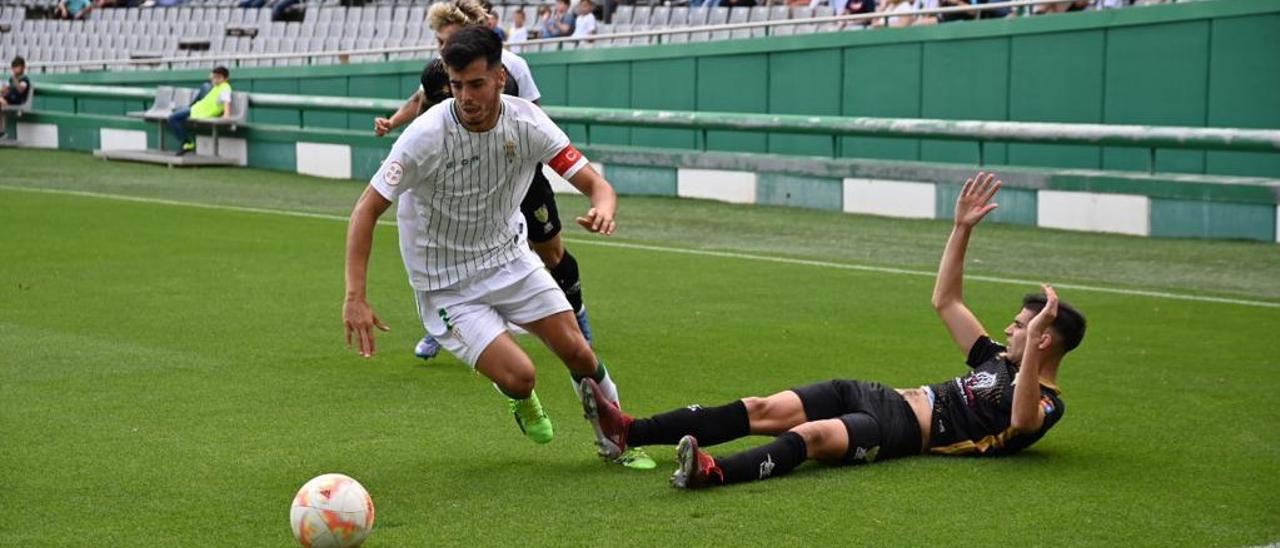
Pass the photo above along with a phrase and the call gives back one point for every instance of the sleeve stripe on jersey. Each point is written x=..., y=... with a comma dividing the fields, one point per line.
x=567, y=162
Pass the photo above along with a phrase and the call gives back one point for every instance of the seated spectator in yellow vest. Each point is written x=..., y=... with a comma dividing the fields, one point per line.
x=17, y=90
x=214, y=103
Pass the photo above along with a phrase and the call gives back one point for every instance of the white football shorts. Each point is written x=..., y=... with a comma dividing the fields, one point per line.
x=467, y=316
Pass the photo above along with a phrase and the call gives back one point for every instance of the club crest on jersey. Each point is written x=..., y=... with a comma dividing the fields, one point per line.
x=510, y=147
x=541, y=214
x=393, y=173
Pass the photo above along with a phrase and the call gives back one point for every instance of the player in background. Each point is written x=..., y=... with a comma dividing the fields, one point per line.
x=459, y=172
x=1005, y=403
x=539, y=205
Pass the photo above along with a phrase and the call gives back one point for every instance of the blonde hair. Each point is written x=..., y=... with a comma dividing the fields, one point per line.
x=458, y=12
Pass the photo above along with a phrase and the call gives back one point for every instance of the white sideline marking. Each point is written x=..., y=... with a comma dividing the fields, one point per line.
x=700, y=252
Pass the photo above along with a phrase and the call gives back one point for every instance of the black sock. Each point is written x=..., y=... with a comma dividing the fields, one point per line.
x=776, y=458
x=710, y=425
x=566, y=276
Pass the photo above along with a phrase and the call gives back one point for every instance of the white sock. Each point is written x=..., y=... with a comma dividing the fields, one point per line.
x=607, y=388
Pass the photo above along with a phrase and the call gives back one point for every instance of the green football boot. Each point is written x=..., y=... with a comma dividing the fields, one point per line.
x=636, y=459
x=532, y=419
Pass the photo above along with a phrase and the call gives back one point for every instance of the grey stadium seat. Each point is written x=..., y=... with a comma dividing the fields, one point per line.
x=721, y=16
x=679, y=17
x=698, y=16
x=825, y=11
x=623, y=15
x=640, y=16
x=660, y=16
x=804, y=13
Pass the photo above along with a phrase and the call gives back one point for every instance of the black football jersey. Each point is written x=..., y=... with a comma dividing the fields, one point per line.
x=972, y=413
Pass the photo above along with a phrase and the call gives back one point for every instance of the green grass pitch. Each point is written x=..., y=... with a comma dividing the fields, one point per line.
x=170, y=375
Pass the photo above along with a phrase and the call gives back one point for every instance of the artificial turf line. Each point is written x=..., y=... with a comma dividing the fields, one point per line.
x=664, y=249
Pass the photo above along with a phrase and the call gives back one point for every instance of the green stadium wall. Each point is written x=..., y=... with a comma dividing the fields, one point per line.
x=1169, y=205
x=1121, y=66
x=1199, y=64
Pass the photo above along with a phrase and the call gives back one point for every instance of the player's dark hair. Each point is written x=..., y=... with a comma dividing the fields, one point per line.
x=1069, y=325
x=18, y=61
x=435, y=84
x=470, y=43
x=223, y=72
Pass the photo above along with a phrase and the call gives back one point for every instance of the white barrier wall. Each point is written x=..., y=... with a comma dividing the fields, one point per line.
x=324, y=160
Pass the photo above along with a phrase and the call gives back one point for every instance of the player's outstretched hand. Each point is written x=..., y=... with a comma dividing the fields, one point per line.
x=381, y=126
x=598, y=221
x=973, y=203
x=360, y=319
x=1038, y=329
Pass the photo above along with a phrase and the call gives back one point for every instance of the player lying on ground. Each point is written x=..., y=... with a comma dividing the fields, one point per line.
x=542, y=217
x=1004, y=404
x=459, y=172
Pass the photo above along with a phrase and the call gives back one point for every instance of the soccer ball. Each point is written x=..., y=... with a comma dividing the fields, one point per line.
x=331, y=511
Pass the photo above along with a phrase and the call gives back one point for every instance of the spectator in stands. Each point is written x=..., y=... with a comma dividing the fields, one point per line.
x=519, y=32
x=971, y=15
x=891, y=7
x=1063, y=7
x=99, y=4
x=852, y=7
x=584, y=24
x=214, y=103
x=497, y=29
x=73, y=9
x=278, y=9
x=541, y=19
x=17, y=90
x=561, y=21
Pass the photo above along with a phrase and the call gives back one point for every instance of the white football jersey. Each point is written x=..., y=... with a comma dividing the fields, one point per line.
x=460, y=191
x=518, y=68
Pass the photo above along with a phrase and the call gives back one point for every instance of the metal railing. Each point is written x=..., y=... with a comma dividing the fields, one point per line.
x=657, y=36
x=981, y=132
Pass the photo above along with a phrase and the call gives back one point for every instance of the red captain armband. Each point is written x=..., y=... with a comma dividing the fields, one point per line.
x=565, y=160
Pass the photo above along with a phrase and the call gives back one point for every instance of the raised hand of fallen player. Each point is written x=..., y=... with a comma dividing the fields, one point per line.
x=975, y=197
x=1038, y=328
x=359, y=320
x=598, y=220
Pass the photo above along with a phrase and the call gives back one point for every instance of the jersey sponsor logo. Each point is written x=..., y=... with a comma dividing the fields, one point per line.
x=393, y=173
x=464, y=162
x=567, y=157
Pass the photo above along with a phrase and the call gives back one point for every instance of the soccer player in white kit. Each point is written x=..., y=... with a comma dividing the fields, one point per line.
x=539, y=207
x=459, y=172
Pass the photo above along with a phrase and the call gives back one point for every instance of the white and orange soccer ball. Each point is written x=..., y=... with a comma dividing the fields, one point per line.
x=331, y=511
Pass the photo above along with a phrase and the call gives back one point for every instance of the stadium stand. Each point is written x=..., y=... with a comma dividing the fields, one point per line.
x=167, y=100
x=220, y=29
